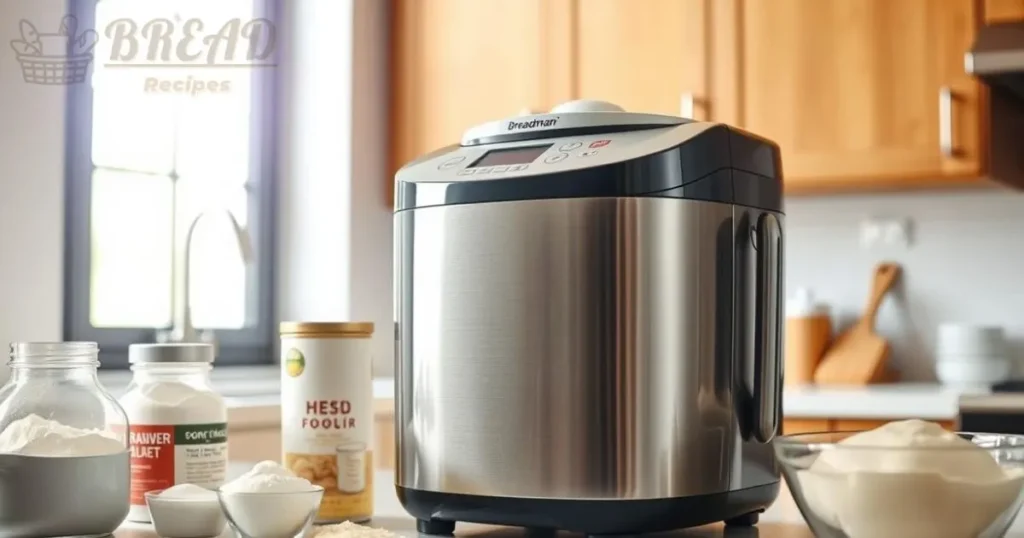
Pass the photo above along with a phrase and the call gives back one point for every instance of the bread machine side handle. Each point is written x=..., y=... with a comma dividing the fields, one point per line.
x=767, y=395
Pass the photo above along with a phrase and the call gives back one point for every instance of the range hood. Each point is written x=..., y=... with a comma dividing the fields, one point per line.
x=997, y=56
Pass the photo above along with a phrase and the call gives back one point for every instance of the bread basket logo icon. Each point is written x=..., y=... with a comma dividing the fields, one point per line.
x=294, y=363
x=60, y=58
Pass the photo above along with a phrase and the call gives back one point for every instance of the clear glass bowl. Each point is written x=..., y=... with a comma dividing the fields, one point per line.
x=271, y=514
x=850, y=491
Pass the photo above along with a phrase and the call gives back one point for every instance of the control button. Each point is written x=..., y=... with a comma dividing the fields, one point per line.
x=557, y=158
x=518, y=167
x=497, y=169
x=467, y=172
x=483, y=170
x=588, y=153
x=571, y=146
x=600, y=143
x=451, y=163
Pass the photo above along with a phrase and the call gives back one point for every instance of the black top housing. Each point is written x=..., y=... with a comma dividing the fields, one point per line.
x=721, y=164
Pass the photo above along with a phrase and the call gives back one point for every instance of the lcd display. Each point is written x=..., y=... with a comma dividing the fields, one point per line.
x=510, y=156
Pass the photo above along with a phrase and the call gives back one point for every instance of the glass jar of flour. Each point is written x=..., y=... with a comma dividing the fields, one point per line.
x=63, y=453
x=178, y=423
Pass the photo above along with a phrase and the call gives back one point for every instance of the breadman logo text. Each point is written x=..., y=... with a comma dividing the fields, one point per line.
x=539, y=122
x=160, y=45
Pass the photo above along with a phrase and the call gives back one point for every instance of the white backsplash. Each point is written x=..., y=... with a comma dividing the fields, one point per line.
x=965, y=263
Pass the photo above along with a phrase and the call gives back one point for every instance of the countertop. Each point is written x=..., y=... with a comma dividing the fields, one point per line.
x=929, y=401
x=781, y=520
x=253, y=397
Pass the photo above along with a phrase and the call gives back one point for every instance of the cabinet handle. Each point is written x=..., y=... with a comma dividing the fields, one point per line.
x=686, y=105
x=946, y=121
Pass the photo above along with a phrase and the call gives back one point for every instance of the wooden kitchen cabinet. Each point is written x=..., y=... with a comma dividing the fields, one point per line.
x=862, y=93
x=797, y=425
x=1004, y=11
x=654, y=59
x=794, y=426
x=458, y=63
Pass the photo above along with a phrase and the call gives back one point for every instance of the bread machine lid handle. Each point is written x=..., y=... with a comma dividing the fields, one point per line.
x=573, y=117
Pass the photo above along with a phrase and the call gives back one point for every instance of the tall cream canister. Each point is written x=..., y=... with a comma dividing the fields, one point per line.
x=327, y=413
x=808, y=334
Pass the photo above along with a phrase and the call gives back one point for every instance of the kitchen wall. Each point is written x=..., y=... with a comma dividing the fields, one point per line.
x=335, y=248
x=964, y=264
x=31, y=190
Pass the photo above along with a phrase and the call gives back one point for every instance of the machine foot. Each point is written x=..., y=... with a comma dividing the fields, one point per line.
x=746, y=520
x=435, y=527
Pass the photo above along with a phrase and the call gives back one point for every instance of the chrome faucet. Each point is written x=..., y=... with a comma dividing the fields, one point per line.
x=183, y=330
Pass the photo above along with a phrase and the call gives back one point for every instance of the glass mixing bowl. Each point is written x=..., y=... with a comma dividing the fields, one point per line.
x=851, y=491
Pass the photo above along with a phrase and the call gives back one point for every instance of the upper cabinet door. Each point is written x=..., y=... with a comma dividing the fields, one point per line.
x=1004, y=11
x=862, y=93
x=458, y=63
x=645, y=56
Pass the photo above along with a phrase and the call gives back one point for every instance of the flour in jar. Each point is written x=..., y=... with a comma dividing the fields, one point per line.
x=909, y=479
x=34, y=435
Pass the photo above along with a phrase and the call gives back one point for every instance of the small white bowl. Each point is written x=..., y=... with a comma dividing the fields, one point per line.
x=963, y=339
x=972, y=373
x=271, y=515
x=185, y=518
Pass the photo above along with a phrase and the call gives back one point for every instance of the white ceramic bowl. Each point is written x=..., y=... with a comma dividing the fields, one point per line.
x=185, y=518
x=963, y=339
x=970, y=373
x=271, y=515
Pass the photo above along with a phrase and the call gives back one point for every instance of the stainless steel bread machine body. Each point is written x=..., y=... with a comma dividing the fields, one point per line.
x=588, y=329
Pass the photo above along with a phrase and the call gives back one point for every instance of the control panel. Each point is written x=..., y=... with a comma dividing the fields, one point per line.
x=542, y=156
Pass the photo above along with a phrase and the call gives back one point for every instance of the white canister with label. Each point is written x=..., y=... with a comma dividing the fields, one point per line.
x=327, y=413
x=177, y=423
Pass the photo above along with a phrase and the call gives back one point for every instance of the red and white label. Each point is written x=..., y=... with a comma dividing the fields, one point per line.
x=152, y=457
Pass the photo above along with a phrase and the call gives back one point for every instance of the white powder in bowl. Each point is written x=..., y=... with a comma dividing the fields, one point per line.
x=34, y=435
x=269, y=501
x=350, y=530
x=268, y=477
x=188, y=492
x=911, y=479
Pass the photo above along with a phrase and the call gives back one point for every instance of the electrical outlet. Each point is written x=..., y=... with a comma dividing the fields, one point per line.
x=870, y=234
x=889, y=233
x=896, y=233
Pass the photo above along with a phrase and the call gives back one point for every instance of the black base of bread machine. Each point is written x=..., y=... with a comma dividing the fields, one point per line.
x=436, y=513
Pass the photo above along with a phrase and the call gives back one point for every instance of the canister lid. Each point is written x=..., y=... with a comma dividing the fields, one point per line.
x=326, y=328
x=176, y=352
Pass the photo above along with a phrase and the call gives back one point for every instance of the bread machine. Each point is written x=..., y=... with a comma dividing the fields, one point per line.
x=589, y=324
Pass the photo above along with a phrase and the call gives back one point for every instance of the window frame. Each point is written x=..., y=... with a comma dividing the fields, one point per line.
x=252, y=345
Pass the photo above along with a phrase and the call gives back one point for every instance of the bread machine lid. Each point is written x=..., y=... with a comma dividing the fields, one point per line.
x=573, y=117
x=589, y=149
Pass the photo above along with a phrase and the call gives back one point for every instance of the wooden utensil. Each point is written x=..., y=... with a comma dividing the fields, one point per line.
x=859, y=356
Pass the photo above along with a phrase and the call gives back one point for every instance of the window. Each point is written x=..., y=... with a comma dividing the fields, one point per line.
x=154, y=140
